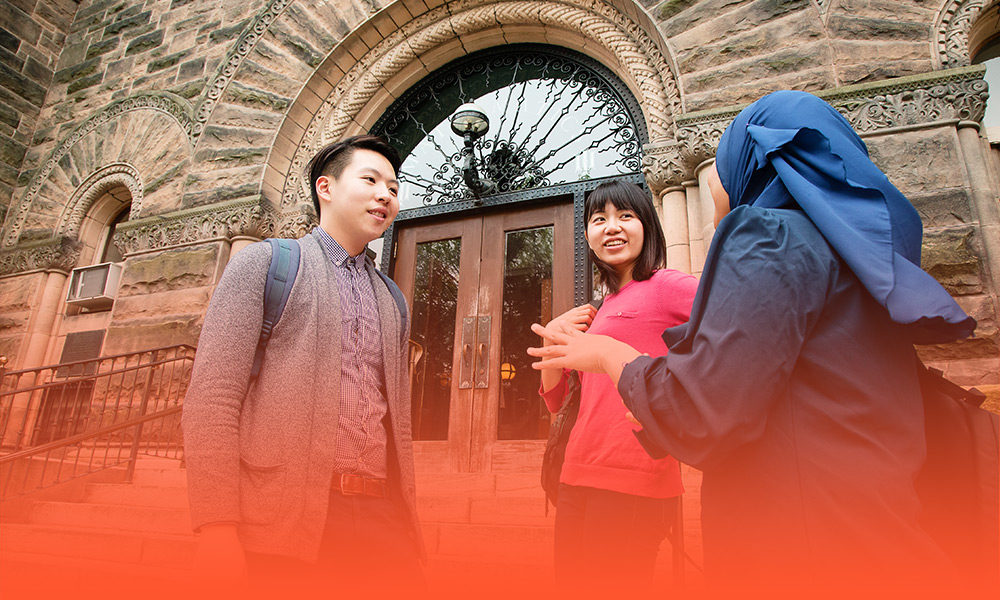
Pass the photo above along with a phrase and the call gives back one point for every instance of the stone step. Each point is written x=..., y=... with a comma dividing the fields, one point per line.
x=136, y=495
x=160, y=476
x=112, y=517
x=151, y=550
x=521, y=544
x=42, y=575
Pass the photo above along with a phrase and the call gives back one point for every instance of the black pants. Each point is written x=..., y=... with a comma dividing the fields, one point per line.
x=608, y=540
x=366, y=547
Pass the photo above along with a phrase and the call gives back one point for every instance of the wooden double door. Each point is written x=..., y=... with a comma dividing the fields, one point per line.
x=475, y=285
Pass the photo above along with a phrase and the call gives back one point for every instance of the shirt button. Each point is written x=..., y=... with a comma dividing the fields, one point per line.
x=619, y=313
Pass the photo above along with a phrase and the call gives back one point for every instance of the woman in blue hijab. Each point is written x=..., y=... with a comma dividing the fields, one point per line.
x=794, y=386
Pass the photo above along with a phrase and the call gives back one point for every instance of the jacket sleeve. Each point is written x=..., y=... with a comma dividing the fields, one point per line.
x=219, y=383
x=762, y=291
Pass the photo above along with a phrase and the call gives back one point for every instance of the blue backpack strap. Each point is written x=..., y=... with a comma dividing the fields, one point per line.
x=397, y=295
x=280, y=277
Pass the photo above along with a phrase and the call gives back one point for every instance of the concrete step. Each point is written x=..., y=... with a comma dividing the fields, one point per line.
x=112, y=517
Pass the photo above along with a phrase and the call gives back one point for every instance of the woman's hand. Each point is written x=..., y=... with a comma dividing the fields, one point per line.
x=568, y=348
x=577, y=318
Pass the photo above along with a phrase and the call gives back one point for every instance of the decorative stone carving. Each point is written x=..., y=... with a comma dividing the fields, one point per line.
x=643, y=63
x=953, y=31
x=956, y=94
x=939, y=96
x=99, y=182
x=230, y=64
x=252, y=218
x=58, y=253
x=674, y=162
x=165, y=102
x=297, y=222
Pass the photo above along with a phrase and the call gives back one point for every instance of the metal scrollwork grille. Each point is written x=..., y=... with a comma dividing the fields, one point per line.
x=556, y=117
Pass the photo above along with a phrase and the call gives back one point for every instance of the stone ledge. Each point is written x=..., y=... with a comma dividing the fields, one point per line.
x=243, y=217
x=938, y=96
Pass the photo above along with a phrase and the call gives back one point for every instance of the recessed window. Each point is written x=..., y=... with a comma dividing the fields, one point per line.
x=111, y=253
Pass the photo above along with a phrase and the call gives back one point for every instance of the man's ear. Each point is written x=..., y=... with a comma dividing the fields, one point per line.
x=323, y=188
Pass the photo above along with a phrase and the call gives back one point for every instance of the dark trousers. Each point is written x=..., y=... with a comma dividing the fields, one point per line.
x=366, y=547
x=608, y=540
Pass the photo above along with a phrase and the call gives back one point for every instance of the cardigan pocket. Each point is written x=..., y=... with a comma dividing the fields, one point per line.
x=262, y=490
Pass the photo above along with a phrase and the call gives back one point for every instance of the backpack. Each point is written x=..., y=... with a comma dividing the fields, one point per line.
x=281, y=275
x=559, y=430
x=959, y=483
x=555, y=447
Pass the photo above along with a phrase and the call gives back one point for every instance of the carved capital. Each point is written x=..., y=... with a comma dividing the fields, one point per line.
x=939, y=96
x=672, y=163
x=297, y=222
x=58, y=253
x=248, y=218
x=662, y=166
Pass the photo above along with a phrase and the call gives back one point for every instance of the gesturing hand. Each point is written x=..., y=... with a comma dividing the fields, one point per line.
x=577, y=318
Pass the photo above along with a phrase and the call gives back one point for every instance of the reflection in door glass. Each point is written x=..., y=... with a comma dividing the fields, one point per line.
x=435, y=301
x=527, y=299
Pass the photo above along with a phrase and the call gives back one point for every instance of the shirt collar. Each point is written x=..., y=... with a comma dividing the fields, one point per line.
x=336, y=253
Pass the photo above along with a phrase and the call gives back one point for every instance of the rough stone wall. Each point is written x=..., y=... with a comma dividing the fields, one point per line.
x=927, y=165
x=733, y=51
x=32, y=35
x=195, y=99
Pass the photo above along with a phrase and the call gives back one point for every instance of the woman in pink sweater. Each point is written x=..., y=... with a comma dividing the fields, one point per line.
x=615, y=502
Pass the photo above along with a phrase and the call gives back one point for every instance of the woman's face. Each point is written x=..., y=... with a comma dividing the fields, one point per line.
x=616, y=235
x=720, y=198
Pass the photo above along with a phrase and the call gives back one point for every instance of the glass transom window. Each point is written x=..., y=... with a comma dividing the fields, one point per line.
x=555, y=117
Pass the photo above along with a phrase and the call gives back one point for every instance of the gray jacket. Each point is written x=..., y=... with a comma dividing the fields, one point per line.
x=262, y=456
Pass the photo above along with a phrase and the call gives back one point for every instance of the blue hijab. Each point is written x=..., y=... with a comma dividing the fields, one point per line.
x=793, y=150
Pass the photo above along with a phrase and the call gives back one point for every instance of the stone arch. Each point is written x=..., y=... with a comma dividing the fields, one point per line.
x=952, y=32
x=93, y=189
x=150, y=133
x=360, y=78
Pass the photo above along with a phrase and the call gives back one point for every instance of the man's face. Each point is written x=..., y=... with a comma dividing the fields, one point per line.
x=359, y=205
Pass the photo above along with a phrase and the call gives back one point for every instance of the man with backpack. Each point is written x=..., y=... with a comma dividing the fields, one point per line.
x=297, y=420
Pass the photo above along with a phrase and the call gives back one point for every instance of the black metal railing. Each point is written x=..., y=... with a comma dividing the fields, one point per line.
x=64, y=421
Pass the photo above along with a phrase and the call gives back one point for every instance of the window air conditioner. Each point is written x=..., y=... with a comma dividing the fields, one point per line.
x=94, y=287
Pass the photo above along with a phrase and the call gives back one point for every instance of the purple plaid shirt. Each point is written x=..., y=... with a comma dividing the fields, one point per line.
x=361, y=437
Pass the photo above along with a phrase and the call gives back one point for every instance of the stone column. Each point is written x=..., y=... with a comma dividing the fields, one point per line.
x=985, y=197
x=40, y=329
x=674, y=220
x=239, y=243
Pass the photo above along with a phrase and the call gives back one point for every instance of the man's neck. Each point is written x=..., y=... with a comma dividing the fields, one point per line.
x=352, y=250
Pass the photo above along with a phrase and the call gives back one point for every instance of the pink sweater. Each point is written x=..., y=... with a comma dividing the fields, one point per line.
x=603, y=452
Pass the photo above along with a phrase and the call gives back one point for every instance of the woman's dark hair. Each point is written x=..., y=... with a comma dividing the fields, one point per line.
x=629, y=196
x=333, y=158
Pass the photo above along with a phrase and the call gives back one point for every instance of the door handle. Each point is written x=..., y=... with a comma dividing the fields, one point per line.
x=467, y=359
x=483, y=352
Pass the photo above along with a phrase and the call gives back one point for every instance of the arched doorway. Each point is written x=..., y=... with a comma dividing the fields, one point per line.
x=480, y=266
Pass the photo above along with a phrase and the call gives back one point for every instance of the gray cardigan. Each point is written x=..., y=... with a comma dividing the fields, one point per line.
x=262, y=456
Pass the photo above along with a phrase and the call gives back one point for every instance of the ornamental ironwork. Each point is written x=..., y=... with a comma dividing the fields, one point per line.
x=555, y=117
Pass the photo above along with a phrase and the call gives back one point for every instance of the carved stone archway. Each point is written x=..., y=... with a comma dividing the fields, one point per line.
x=453, y=30
x=150, y=133
x=952, y=32
x=95, y=186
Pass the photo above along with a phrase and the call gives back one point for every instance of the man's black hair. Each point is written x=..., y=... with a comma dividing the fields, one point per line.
x=333, y=158
x=629, y=196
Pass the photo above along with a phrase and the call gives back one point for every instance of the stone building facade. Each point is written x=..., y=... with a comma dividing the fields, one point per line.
x=176, y=131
